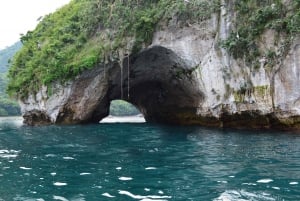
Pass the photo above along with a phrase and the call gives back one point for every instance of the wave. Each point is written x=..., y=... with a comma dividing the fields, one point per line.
x=233, y=195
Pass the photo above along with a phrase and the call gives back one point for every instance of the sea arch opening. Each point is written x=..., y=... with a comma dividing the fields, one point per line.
x=121, y=111
x=158, y=83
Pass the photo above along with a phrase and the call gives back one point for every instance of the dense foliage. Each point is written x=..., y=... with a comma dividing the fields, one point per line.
x=85, y=33
x=6, y=54
x=256, y=16
x=7, y=106
x=122, y=108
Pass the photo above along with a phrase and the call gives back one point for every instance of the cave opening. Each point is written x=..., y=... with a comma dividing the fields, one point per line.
x=121, y=111
x=162, y=86
x=158, y=83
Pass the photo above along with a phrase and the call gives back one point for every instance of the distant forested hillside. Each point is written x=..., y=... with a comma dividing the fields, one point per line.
x=8, y=107
x=6, y=55
x=122, y=108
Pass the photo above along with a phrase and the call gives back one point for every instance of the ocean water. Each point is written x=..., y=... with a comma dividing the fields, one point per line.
x=145, y=162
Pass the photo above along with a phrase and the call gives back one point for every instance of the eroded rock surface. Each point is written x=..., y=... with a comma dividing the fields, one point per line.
x=183, y=77
x=158, y=82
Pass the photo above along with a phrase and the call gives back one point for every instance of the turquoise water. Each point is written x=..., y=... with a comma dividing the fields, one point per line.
x=146, y=162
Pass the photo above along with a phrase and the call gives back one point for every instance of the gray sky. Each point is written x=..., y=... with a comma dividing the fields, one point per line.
x=20, y=16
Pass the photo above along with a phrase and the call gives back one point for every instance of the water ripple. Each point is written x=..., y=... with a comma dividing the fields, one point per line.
x=148, y=162
x=147, y=197
x=233, y=195
x=60, y=184
x=9, y=153
x=108, y=195
x=125, y=178
x=61, y=198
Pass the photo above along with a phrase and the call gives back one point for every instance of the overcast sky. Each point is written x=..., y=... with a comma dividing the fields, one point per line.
x=19, y=16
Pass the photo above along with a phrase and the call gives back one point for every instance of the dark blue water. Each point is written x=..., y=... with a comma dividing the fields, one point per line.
x=146, y=162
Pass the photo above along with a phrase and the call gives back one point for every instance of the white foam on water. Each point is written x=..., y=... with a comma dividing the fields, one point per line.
x=125, y=178
x=229, y=196
x=53, y=173
x=160, y=192
x=50, y=155
x=145, y=197
x=232, y=195
x=223, y=182
x=59, y=184
x=8, y=153
x=55, y=197
x=231, y=176
x=126, y=119
x=108, y=195
x=80, y=197
x=249, y=184
x=147, y=189
x=84, y=173
x=150, y=168
x=68, y=158
x=25, y=168
x=19, y=197
x=119, y=168
x=293, y=183
x=40, y=199
x=264, y=181
x=276, y=188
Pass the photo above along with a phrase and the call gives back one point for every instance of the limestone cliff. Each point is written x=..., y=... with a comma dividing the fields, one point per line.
x=185, y=76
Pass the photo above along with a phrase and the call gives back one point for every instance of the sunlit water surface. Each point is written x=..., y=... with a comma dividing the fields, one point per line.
x=146, y=162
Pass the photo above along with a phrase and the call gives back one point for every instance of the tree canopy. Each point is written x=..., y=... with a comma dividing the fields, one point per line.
x=7, y=54
x=85, y=33
x=7, y=106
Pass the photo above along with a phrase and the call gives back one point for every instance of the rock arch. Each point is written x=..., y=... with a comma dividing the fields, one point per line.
x=161, y=85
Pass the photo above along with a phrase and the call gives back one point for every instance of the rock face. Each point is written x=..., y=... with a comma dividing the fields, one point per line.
x=183, y=77
x=160, y=84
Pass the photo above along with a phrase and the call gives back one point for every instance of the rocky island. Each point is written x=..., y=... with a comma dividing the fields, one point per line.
x=199, y=62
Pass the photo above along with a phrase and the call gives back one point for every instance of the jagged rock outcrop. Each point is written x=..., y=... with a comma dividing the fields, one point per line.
x=183, y=77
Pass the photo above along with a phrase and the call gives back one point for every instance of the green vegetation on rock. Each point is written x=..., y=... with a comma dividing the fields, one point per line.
x=85, y=33
x=122, y=108
x=8, y=107
x=6, y=55
x=253, y=18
